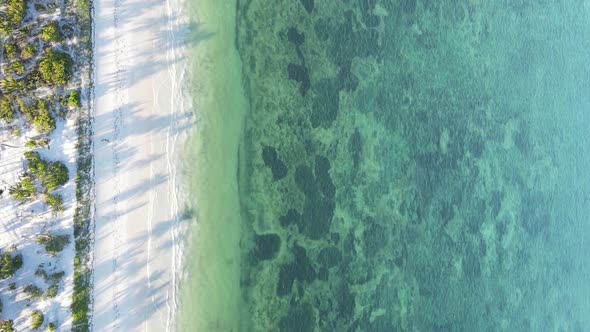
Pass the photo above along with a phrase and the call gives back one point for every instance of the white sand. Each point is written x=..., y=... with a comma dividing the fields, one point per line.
x=141, y=121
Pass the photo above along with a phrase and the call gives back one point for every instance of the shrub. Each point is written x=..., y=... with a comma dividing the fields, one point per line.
x=33, y=291
x=12, y=286
x=10, y=85
x=6, y=110
x=42, y=120
x=52, y=291
x=55, y=202
x=15, y=11
x=56, y=68
x=37, y=319
x=50, y=33
x=74, y=99
x=9, y=265
x=10, y=50
x=53, y=243
x=16, y=67
x=57, y=175
x=37, y=143
x=7, y=325
x=51, y=327
x=23, y=190
x=28, y=52
x=37, y=166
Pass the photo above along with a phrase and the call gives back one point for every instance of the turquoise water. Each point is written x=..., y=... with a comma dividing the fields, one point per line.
x=409, y=165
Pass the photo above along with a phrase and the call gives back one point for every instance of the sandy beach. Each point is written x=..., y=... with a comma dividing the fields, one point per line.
x=140, y=124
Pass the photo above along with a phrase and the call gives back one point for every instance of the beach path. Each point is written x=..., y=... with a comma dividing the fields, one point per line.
x=139, y=122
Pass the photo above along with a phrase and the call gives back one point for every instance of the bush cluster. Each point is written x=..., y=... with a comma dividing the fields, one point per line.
x=23, y=190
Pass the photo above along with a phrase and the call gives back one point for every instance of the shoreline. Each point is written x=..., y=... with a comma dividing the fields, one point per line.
x=141, y=120
x=211, y=278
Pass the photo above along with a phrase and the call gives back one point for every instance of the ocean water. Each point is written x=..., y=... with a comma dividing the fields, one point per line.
x=391, y=165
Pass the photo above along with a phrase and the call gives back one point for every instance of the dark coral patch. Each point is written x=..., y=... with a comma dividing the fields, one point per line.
x=329, y=257
x=323, y=179
x=300, y=318
x=305, y=181
x=300, y=269
x=267, y=246
x=291, y=218
x=295, y=37
x=272, y=160
x=325, y=104
x=300, y=74
x=308, y=5
x=317, y=218
x=355, y=147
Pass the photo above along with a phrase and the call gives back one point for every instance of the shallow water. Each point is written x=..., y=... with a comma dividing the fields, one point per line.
x=410, y=165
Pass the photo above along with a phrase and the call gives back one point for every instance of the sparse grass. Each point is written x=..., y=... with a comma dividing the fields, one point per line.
x=54, y=244
x=33, y=291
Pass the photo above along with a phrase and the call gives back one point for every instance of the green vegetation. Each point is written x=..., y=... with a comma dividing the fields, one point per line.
x=53, y=243
x=7, y=325
x=55, y=202
x=12, y=286
x=50, y=33
x=56, y=68
x=51, y=327
x=10, y=264
x=33, y=291
x=37, y=319
x=6, y=109
x=23, y=190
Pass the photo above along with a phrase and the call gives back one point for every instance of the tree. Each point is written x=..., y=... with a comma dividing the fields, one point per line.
x=37, y=319
x=56, y=68
x=50, y=33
